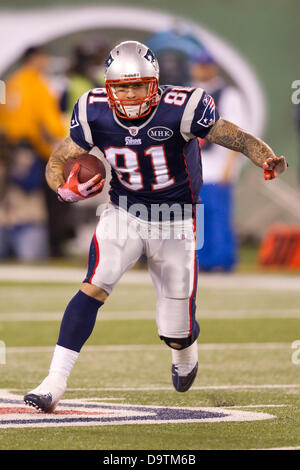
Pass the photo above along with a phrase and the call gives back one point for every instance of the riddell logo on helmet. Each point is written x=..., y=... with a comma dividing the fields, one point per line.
x=130, y=75
x=160, y=133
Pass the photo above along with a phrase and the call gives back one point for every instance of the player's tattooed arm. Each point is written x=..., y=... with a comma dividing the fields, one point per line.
x=229, y=135
x=54, y=169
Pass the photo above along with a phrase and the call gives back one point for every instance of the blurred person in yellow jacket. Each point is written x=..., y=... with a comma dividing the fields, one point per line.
x=32, y=112
x=33, y=124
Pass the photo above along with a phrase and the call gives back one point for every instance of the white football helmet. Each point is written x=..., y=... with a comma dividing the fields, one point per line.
x=132, y=62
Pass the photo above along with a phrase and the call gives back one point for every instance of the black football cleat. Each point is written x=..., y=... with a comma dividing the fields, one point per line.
x=40, y=402
x=46, y=396
x=182, y=383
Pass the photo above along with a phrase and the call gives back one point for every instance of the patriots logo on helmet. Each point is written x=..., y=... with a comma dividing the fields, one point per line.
x=150, y=56
x=109, y=61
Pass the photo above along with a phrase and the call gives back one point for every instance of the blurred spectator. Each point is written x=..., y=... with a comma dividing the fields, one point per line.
x=173, y=49
x=31, y=112
x=23, y=215
x=221, y=168
x=184, y=61
x=32, y=124
x=86, y=71
x=173, y=67
x=4, y=162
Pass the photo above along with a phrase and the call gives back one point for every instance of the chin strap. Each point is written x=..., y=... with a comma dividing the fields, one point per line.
x=138, y=110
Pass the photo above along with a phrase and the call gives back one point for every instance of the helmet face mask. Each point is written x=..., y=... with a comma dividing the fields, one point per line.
x=132, y=65
x=136, y=107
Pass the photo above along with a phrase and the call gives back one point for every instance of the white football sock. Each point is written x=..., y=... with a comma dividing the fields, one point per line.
x=55, y=383
x=185, y=359
x=63, y=360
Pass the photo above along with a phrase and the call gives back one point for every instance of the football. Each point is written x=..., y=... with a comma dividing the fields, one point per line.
x=90, y=166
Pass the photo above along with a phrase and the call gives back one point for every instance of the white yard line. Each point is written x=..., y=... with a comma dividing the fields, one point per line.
x=154, y=347
x=56, y=316
x=41, y=316
x=40, y=274
x=153, y=388
x=257, y=406
x=150, y=315
x=195, y=387
x=225, y=281
x=280, y=448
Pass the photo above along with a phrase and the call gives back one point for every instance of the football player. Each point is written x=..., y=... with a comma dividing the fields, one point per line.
x=148, y=133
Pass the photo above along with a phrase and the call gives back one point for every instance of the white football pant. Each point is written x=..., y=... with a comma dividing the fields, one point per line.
x=119, y=241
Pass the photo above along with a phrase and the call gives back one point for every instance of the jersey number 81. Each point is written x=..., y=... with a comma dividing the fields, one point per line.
x=132, y=168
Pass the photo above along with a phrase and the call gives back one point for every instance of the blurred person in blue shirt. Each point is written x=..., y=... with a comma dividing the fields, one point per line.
x=221, y=167
x=196, y=66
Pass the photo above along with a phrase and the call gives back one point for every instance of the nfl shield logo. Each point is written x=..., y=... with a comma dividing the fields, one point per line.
x=133, y=131
x=93, y=412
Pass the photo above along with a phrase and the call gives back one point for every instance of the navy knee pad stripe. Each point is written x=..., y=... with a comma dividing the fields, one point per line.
x=78, y=321
x=94, y=258
x=184, y=342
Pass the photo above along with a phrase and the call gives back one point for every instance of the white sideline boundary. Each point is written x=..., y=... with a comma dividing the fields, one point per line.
x=41, y=274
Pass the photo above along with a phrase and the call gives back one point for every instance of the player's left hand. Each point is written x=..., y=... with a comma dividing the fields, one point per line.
x=73, y=191
x=274, y=166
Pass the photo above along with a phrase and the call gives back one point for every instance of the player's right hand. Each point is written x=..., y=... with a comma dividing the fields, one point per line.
x=274, y=166
x=73, y=191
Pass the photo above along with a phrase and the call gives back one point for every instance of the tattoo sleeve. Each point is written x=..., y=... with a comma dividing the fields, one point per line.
x=55, y=166
x=229, y=135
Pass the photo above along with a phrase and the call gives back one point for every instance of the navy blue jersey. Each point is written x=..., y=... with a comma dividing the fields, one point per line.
x=156, y=159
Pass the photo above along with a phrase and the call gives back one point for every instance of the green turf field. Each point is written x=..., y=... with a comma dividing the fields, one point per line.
x=245, y=364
